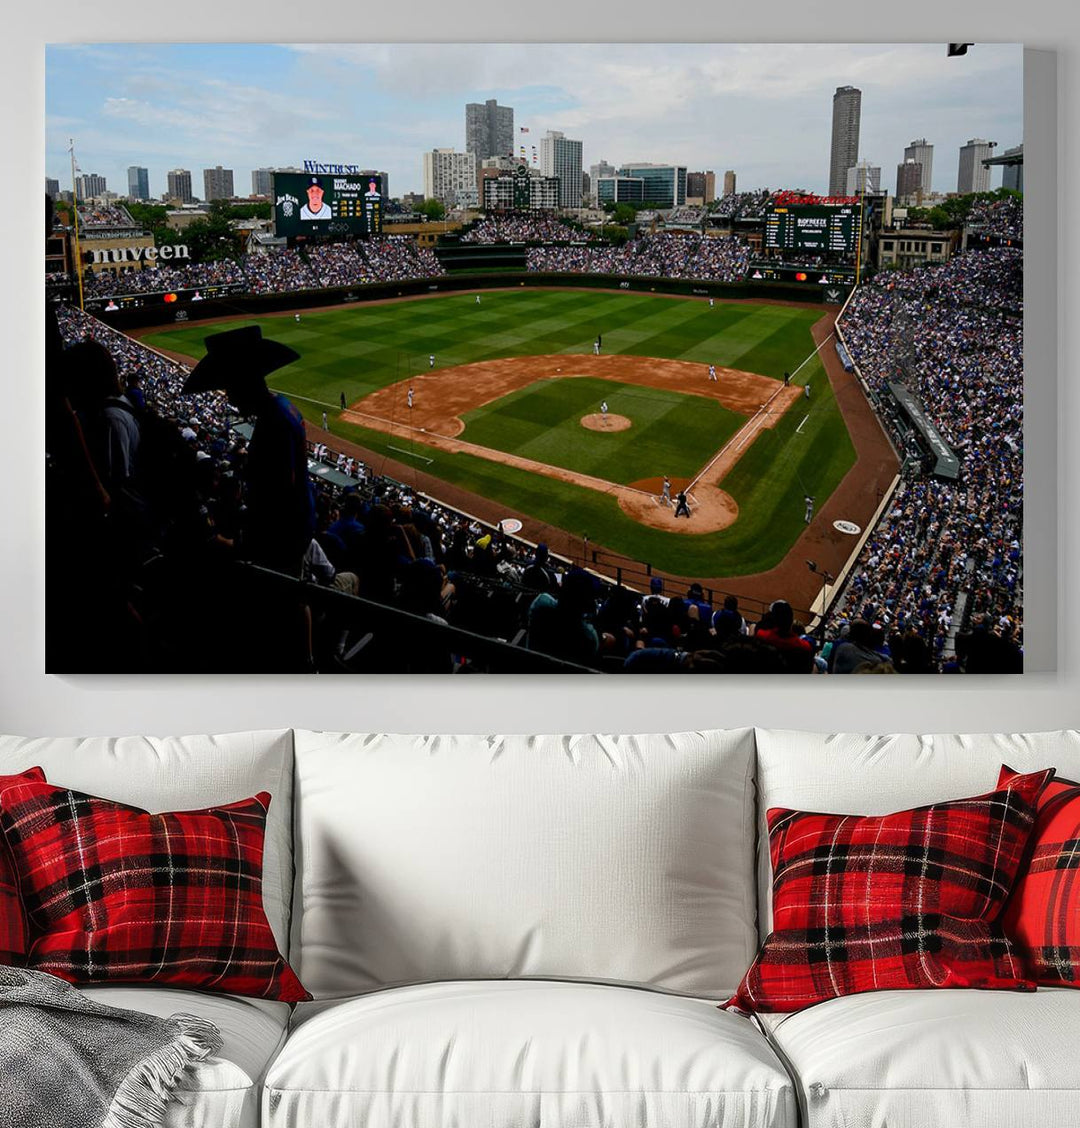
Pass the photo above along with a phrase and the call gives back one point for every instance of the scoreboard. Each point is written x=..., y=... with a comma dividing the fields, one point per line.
x=328, y=204
x=818, y=228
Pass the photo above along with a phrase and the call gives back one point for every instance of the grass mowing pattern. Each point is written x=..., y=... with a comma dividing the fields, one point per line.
x=672, y=433
x=358, y=349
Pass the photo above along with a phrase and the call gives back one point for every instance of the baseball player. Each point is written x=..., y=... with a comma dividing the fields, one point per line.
x=477, y=299
x=711, y=303
x=431, y=361
x=809, y=516
x=603, y=408
x=787, y=379
x=596, y=347
x=712, y=372
x=324, y=426
x=297, y=316
x=409, y=398
x=344, y=402
x=806, y=389
x=665, y=491
x=682, y=509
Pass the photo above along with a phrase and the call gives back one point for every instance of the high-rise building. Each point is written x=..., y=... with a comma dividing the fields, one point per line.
x=665, y=185
x=620, y=189
x=262, y=181
x=729, y=182
x=450, y=176
x=179, y=185
x=217, y=183
x=846, y=111
x=88, y=185
x=52, y=187
x=970, y=175
x=586, y=187
x=138, y=183
x=1012, y=175
x=602, y=168
x=861, y=179
x=909, y=179
x=922, y=152
x=489, y=129
x=701, y=186
x=561, y=157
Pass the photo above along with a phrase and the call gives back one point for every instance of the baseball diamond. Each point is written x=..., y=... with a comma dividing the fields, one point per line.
x=501, y=418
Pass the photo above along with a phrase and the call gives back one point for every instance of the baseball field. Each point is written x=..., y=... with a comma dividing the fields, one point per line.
x=519, y=411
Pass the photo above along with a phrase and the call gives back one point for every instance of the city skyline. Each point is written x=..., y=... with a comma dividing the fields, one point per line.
x=763, y=110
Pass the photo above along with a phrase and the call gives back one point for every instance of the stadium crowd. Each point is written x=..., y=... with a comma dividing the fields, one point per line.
x=668, y=255
x=105, y=215
x=946, y=556
x=742, y=205
x=519, y=227
x=1003, y=218
x=393, y=258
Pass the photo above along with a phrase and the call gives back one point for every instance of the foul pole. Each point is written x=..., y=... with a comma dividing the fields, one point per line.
x=75, y=209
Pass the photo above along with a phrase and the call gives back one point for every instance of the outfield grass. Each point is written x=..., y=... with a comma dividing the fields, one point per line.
x=671, y=433
x=358, y=349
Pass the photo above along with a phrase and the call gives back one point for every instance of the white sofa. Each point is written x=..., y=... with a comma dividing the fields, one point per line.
x=534, y=932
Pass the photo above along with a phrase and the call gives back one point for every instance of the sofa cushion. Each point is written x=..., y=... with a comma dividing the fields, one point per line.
x=904, y=900
x=181, y=773
x=519, y=1054
x=914, y=1059
x=1043, y=914
x=223, y=1091
x=115, y=894
x=14, y=932
x=874, y=775
x=625, y=859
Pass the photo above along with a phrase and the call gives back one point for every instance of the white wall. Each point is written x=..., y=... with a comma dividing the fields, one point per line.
x=31, y=702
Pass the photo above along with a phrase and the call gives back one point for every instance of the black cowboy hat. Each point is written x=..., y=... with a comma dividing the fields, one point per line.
x=237, y=355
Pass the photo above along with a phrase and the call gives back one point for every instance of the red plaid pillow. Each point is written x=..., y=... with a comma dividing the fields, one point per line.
x=874, y=903
x=117, y=895
x=13, y=931
x=1042, y=917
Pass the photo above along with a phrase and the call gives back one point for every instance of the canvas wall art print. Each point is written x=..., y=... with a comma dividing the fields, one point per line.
x=565, y=358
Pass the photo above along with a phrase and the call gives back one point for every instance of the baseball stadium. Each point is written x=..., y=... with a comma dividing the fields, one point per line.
x=532, y=448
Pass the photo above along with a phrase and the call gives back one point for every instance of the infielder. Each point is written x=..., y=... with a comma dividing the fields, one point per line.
x=665, y=491
x=806, y=389
x=809, y=509
x=712, y=372
x=596, y=347
x=324, y=426
x=410, y=398
x=344, y=402
x=603, y=408
x=431, y=361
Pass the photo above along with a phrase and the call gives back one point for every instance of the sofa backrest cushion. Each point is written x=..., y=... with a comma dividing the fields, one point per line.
x=859, y=774
x=179, y=774
x=617, y=859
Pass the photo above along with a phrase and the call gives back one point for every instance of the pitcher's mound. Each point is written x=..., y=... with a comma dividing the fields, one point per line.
x=607, y=422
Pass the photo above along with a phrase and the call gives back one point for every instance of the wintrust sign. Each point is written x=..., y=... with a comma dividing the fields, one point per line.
x=138, y=254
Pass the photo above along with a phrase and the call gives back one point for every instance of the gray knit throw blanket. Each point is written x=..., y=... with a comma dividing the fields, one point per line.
x=69, y=1062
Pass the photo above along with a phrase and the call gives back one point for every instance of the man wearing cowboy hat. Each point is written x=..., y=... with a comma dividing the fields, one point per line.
x=280, y=510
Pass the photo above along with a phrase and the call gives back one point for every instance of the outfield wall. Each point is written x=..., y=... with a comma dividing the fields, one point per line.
x=253, y=305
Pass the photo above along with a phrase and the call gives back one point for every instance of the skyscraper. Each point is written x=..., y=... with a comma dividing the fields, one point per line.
x=52, y=187
x=489, y=129
x=138, y=183
x=89, y=185
x=595, y=172
x=262, y=181
x=179, y=184
x=701, y=186
x=561, y=157
x=908, y=179
x=1012, y=176
x=846, y=111
x=451, y=177
x=920, y=151
x=729, y=182
x=217, y=183
x=861, y=178
x=970, y=175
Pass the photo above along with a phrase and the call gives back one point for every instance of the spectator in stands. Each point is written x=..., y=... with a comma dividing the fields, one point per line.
x=778, y=631
x=856, y=650
x=728, y=621
x=280, y=518
x=561, y=624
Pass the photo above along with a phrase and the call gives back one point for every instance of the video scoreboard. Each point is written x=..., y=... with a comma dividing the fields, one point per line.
x=328, y=203
x=817, y=228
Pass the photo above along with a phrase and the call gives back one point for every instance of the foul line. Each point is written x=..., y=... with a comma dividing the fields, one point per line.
x=411, y=454
x=798, y=430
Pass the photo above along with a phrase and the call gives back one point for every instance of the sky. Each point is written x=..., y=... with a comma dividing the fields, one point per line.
x=764, y=110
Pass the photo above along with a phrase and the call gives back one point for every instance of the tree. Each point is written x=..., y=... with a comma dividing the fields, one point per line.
x=625, y=213
x=433, y=209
